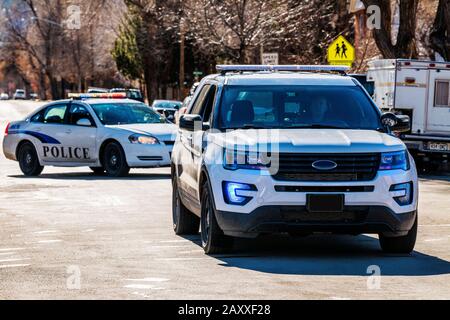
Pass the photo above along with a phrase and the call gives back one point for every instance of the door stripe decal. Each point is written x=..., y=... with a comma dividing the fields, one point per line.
x=40, y=136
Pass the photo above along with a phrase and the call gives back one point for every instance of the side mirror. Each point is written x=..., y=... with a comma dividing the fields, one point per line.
x=192, y=122
x=84, y=122
x=397, y=123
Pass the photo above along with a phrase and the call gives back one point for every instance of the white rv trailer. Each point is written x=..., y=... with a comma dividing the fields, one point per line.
x=421, y=90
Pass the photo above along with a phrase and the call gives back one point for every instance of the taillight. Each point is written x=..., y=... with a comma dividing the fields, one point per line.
x=6, y=129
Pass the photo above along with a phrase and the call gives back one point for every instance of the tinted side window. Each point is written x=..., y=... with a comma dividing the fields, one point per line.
x=78, y=112
x=209, y=103
x=38, y=117
x=55, y=114
x=197, y=107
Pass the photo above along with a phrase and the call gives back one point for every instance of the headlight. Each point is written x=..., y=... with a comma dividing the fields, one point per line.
x=395, y=161
x=142, y=139
x=234, y=160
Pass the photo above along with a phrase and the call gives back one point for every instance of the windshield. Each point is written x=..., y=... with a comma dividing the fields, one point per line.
x=126, y=113
x=134, y=95
x=167, y=104
x=316, y=106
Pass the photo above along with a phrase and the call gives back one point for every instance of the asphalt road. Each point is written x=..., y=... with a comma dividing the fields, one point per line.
x=71, y=235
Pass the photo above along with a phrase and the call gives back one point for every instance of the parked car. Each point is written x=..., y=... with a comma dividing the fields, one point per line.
x=105, y=134
x=133, y=94
x=19, y=95
x=278, y=149
x=168, y=108
x=97, y=90
x=4, y=96
x=186, y=103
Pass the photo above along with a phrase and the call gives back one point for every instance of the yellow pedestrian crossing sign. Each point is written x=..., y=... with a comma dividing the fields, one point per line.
x=341, y=52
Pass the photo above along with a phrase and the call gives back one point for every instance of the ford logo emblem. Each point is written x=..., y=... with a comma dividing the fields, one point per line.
x=324, y=165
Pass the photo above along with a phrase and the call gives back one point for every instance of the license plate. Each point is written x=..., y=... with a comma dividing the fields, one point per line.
x=434, y=146
x=325, y=202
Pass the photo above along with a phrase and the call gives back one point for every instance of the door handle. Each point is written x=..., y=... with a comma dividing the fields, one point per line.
x=190, y=140
x=38, y=129
x=68, y=131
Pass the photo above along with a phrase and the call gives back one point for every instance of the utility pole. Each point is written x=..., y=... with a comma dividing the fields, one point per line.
x=182, y=60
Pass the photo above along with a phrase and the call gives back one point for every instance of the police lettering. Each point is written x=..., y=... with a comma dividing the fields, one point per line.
x=66, y=152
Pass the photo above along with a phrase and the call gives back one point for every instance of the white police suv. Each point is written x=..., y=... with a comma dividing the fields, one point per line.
x=102, y=131
x=291, y=149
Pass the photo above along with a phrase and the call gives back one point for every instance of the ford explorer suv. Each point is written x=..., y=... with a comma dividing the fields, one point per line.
x=291, y=149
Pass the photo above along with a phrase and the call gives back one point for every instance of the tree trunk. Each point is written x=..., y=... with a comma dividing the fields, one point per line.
x=148, y=84
x=406, y=44
x=440, y=34
x=406, y=41
x=242, y=53
x=53, y=87
x=42, y=86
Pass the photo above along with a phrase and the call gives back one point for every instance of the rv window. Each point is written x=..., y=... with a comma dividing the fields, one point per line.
x=442, y=92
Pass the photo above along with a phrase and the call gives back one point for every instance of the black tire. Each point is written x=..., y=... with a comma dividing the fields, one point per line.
x=213, y=239
x=28, y=160
x=184, y=221
x=98, y=170
x=114, y=160
x=402, y=245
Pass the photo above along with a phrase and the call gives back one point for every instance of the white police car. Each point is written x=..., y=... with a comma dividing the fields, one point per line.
x=101, y=131
x=284, y=149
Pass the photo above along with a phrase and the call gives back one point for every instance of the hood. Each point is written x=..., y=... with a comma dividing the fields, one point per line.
x=162, y=131
x=312, y=140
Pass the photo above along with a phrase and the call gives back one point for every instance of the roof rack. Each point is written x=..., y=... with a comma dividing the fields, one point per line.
x=224, y=69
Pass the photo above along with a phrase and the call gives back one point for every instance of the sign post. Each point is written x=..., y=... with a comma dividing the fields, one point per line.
x=341, y=52
x=270, y=59
x=197, y=75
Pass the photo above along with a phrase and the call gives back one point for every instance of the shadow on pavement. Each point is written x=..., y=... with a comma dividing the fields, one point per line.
x=332, y=255
x=92, y=177
x=429, y=177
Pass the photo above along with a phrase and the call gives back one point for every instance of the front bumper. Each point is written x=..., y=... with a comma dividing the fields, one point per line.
x=370, y=206
x=148, y=156
x=267, y=194
x=297, y=219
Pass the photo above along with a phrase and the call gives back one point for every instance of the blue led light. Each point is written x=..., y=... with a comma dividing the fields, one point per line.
x=394, y=161
x=231, y=192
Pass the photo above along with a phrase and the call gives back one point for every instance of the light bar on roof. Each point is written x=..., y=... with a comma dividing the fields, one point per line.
x=106, y=95
x=307, y=68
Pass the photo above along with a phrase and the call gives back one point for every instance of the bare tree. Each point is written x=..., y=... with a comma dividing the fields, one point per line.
x=230, y=27
x=56, y=53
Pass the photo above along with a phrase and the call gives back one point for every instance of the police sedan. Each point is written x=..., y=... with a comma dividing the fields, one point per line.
x=96, y=131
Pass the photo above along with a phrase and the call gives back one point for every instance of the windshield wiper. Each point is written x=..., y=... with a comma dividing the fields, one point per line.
x=246, y=127
x=316, y=126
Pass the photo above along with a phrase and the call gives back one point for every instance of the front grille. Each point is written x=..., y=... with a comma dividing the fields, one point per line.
x=324, y=189
x=169, y=143
x=350, y=167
